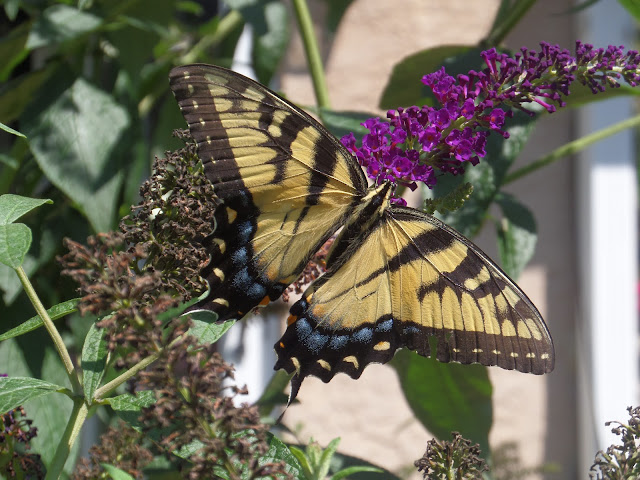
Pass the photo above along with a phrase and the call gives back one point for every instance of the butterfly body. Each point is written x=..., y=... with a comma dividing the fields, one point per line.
x=395, y=276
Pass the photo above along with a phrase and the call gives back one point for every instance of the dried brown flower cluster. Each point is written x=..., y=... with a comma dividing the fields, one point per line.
x=621, y=462
x=15, y=433
x=459, y=456
x=120, y=446
x=154, y=264
x=195, y=404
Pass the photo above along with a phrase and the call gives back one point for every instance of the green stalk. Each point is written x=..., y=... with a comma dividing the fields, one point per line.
x=78, y=416
x=312, y=53
x=120, y=379
x=51, y=328
x=227, y=24
x=573, y=147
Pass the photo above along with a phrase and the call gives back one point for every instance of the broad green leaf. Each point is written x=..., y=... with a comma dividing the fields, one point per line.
x=33, y=357
x=13, y=207
x=60, y=23
x=273, y=394
x=74, y=140
x=405, y=88
x=322, y=467
x=516, y=234
x=269, y=20
x=11, y=130
x=15, y=240
x=447, y=397
x=487, y=177
x=55, y=312
x=128, y=407
x=20, y=91
x=343, y=123
x=337, y=9
x=94, y=360
x=279, y=451
x=15, y=391
x=205, y=327
x=632, y=7
x=116, y=473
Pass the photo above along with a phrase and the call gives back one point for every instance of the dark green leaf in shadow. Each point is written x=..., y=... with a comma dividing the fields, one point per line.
x=273, y=394
x=516, y=234
x=13, y=51
x=487, y=177
x=343, y=123
x=73, y=139
x=61, y=23
x=337, y=9
x=18, y=92
x=94, y=360
x=57, y=311
x=447, y=397
x=270, y=22
x=405, y=87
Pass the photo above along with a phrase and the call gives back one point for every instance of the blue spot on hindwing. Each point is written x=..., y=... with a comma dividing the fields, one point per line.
x=338, y=341
x=240, y=256
x=257, y=291
x=242, y=280
x=303, y=328
x=363, y=335
x=245, y=230
x=316, y=341
x=385, y=325
x=411, y=331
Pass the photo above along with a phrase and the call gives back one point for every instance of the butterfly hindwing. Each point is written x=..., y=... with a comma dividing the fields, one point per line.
x=411, y=278
x=281, y=178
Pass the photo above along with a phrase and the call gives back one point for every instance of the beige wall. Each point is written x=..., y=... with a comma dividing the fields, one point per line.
x=538, y=413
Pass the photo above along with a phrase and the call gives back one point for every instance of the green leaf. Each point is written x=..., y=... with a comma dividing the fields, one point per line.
x=31, y=357
x=116, y=473
x=15, y=391
x=73, y=139
x=447, y=397
x=487, y=177
x=205, y=327
x=273, y=394
x=278, y=451
x=15, y=240
x=60, y=23
x=269, y=20
x=516, y=234
x=57, y=311
x=13, y=207
x=324, y=463
x=632, y=7
x=404, y=87
x=347, y=472
x=94, y=360
x=337, y=9
x=128, y=407
x=11, y=130
x=343, y=123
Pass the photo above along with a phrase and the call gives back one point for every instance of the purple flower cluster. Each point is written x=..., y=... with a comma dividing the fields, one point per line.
x=417, y=143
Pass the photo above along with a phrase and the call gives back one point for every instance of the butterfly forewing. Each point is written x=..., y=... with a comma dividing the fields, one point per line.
x=281, y=178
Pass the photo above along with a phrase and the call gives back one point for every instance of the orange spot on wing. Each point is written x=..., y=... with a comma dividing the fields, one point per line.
x=264, y=301
x=291, y=319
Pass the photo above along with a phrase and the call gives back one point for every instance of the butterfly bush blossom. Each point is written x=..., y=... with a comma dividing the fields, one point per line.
x=418, y=142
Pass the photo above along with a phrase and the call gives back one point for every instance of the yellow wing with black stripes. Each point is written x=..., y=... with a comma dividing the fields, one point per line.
x=411, y=277
x=285, y=183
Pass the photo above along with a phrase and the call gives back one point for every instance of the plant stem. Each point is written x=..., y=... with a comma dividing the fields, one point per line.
x=78, y=416
x=312, y=52
x=572, y=147
x=51, y=328
x=120, y=379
